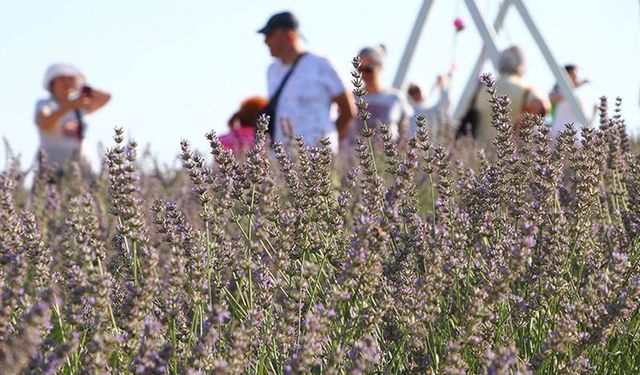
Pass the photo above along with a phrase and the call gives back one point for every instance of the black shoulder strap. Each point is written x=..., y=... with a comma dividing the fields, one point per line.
x=276, y=95
x=81, y=125
x=270, y=109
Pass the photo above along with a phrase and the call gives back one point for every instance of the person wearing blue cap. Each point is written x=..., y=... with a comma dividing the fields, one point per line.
x=302, y=87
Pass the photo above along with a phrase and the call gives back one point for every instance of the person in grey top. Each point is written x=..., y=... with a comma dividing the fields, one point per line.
x=386, y=105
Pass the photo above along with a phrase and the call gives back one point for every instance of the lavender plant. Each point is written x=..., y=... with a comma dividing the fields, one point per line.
x=420, y=255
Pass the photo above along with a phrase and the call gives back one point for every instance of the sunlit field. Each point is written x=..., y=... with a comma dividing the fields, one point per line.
x=432, y=255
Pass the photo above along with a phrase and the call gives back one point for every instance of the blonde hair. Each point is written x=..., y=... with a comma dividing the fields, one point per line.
x=512, y=61
x=376, y=54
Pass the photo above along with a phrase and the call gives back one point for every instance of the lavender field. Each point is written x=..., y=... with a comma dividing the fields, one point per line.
x=426, y=257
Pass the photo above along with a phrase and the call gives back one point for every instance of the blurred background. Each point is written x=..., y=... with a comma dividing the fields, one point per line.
x=179, y=69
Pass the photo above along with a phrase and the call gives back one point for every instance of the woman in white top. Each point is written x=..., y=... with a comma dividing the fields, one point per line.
x=60, y=116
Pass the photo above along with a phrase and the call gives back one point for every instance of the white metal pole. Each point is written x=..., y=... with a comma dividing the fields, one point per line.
x=407, y=55
x=560, y=74
x=470, y=88
x=487, y=33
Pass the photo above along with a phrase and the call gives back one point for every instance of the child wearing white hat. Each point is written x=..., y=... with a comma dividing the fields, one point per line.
x=60, y=116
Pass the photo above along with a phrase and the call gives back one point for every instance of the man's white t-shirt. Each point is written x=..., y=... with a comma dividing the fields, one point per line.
x=564, y=115
x=306, y=98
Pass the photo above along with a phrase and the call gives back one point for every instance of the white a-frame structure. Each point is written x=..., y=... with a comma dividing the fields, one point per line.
x=489, y=50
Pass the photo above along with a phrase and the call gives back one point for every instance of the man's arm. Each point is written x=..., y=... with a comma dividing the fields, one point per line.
x=536, y=104
x=46, y=118
x=555, y=97
x=97, y=100
x=346, y=112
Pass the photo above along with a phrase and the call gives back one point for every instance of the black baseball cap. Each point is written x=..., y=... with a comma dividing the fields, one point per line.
x=284, y=20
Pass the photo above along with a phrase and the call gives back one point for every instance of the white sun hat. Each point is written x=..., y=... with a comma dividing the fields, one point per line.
x=62, y=70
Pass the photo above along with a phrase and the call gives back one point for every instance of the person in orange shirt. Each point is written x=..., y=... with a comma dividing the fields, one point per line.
x=242, y=125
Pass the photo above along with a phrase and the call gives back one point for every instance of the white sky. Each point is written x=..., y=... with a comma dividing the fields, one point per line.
x=178, y=69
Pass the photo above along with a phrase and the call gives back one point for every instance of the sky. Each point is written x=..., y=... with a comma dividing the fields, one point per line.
x=178, y=69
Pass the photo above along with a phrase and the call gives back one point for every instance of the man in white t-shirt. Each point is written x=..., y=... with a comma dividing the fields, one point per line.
x=307, y=96
x=561, y=111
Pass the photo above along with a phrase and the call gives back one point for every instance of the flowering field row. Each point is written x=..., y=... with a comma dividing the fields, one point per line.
x=426, y=257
